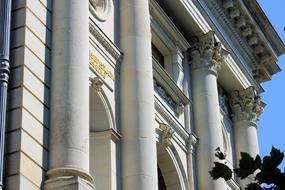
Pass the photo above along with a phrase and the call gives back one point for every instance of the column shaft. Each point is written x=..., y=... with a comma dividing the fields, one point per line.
x=69, y=109
x=246, y=108
x=245, y=135
x=139, y=160
x=206, y=108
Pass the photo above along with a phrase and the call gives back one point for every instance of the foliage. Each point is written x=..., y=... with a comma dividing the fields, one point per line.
x=266, y=170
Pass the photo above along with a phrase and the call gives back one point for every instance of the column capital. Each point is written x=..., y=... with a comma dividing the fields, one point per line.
x=246, y=105
x=206, y=52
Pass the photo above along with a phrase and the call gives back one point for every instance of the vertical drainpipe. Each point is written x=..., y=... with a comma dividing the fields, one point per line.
x=5, y=18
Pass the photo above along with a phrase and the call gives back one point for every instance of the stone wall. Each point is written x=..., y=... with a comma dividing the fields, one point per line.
x=26, y=151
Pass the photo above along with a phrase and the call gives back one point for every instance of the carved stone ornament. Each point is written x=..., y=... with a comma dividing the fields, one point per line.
x=177, y=106
x=206, y=52
x=246, y=105
x=166, y=134
x=101, y=9
x=97, y=83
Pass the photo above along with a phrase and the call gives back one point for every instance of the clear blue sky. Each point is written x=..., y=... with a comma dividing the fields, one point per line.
x=271, y=130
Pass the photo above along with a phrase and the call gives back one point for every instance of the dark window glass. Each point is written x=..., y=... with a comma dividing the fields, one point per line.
x=157, y=55
x=161, y=183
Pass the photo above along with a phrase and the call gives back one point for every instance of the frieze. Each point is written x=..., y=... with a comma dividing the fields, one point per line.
x=177, y=106
x=105, y=42
x=98, y=66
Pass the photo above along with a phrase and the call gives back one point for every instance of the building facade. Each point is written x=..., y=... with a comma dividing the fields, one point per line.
x=134, y=94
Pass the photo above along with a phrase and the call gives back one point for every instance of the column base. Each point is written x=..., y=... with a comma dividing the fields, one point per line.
x=68, y=183
x=68, y=179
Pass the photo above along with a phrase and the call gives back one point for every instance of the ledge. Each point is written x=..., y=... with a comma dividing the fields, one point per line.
x=168, y=89
x=110, y=47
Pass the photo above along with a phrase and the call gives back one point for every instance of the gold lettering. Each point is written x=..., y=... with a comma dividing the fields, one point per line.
x=98, y=66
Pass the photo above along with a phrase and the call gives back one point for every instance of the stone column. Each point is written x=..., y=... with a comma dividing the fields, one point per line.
x=246, y=108
x=206, y=57
x=69, y=109
x=139, y=160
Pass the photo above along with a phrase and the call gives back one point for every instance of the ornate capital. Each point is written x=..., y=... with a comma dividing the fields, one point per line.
x=246, y=105
x=206, y=52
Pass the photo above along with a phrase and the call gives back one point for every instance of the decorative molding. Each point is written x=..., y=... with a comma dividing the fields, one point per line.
x=97, y=83
x=246, y=105
x=105, y=41
x=166, y=134
x=206, y=52
x=176, y=127
x=100, y=9
x=111, y=133
x=190, y=139
x=227, y=22
x=68, y=172
x=168, y=90
x=177, y=106
x=235, y=16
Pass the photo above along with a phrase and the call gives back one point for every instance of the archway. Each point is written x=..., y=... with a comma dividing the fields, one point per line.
x=169, y=178
x=103, y=142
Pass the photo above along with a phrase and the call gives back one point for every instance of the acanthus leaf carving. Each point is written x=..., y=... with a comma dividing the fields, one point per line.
x=246, y=105
x=206, y=52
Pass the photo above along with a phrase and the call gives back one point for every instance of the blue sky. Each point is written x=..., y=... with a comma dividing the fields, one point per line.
x=271, y=130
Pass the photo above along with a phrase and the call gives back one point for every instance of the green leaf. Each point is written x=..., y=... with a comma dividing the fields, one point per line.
x=253, y=186
x=247, y=165
x=276, y=156
x=221, y=171
x=269, y=173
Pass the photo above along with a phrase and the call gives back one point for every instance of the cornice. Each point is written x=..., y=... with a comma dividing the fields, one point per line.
x=227, y=23
x=98, y=34
x=238, y=19
x=265, y=25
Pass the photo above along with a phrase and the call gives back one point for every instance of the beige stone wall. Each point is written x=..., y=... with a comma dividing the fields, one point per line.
x=26, y=151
